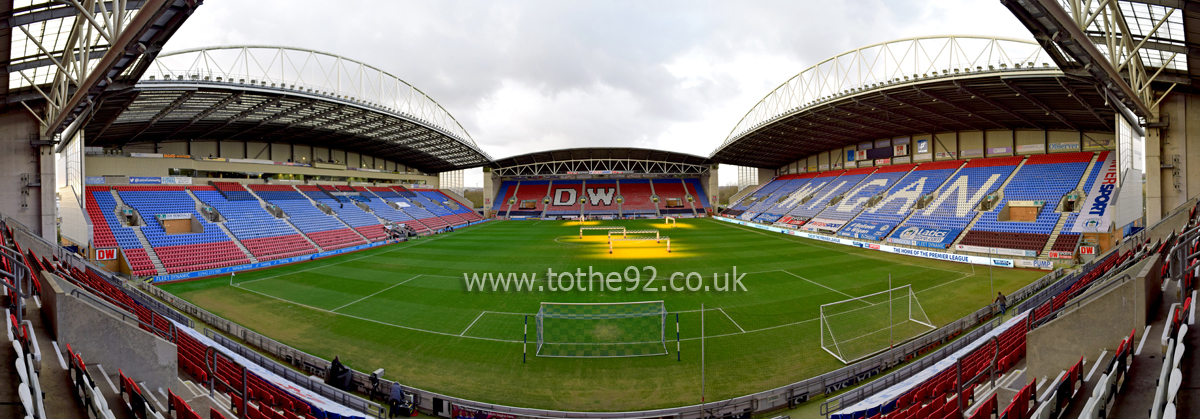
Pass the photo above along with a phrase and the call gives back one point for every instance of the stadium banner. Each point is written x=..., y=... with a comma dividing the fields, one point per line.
x=301, y=392
x=975, y=152
x=1061, y=255
x=160, y=156
x=928, y=254
x=145, y=180
x=787, y=219
x=93, y=180
x=866, y=231
x=938, y=238
x=106, y=254
x=177, y=180
x=1071, y=146
x=1030, y=148
x=1096, y=214
x=821, y=224
x=1035, y=264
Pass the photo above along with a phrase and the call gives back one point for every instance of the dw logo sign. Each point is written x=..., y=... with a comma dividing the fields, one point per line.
x=595, y=196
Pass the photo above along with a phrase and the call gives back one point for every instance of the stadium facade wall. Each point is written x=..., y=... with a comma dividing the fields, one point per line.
x=102, y=165
x=960, y=145
x=20, y=165
x=1176, y=154
x=233, y=149
x=1098, y=321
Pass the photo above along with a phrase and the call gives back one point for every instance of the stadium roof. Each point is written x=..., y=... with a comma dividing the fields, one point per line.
x=289, y=95
x=59, y=57
x=1123, y=44
x=914, y=86
x=599, y=160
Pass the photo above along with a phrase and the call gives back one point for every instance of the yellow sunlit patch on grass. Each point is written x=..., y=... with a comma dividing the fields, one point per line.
x=665, y=226
x=587, y=223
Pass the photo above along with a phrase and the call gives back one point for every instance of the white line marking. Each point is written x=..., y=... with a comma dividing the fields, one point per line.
x=1096, y=365
x=416, y=243
x=735, y=323
x=61, y=362
x=106, y=378
x=376, y=293
x=1143, y=343
x=818, y=284
x=464, y=332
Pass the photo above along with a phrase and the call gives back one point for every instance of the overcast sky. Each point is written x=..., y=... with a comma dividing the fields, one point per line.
x=524, y=76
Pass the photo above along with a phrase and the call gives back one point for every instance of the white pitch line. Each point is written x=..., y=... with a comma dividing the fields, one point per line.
x=239, y=284
x=735, y=323
x=818, y=284
x=373, y=320
x=464, y=332
x=376, y=293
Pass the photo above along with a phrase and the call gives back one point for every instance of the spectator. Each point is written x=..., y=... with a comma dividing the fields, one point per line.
x=1003, y=303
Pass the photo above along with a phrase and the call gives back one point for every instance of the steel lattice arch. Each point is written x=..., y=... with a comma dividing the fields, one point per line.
x=911, y=86
x=282, y=94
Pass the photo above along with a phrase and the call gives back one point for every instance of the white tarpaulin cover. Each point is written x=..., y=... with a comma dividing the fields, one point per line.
x=1096, y=215
x=281, y=383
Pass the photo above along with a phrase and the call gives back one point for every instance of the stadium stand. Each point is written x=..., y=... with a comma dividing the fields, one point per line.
x=413, y=206
x=436, y=203
x=820, y=190
x=855, y=199
x=954, y=206
x=456, y=207
x=265, y=236
x=505, y=193
x=601, y=197
x=207, y=249
x=1044, y=179
x=529, y=198
x=1068, y=242
x=739, y=208
x=875, y=222
x=564, y=198
x=787, y=196
x=697, y=190
x=111, y=233
x=325, y=230
x=827, y=197
x=637, y=195
x=669, y=190
x=233, y=191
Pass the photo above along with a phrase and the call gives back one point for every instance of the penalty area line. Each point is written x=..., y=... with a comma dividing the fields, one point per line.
x=376, y=293
x=464, y=332
x=735, y=323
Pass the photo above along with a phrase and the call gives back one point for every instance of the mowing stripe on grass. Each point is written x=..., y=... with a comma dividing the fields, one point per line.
x=376, y=293
x=819, y=284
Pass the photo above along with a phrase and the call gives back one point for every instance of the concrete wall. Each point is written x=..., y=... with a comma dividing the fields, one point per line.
x=1099, y=323
x=18, y=157
x=107, y=339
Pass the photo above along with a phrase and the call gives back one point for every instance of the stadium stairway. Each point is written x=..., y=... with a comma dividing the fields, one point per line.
x=508, y=205
x=914, y=210
x=287, y=222
x=979, y=214
x=221, y=225
x=549, y=188
x=657, y=208
x=619, y=213
x=159, y=268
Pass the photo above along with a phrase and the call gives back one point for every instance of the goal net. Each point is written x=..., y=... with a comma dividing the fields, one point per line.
x=863, y=326
x=601, y=330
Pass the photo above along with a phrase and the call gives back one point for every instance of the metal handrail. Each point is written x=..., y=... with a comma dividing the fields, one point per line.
x=210, y=364
x=171, y=333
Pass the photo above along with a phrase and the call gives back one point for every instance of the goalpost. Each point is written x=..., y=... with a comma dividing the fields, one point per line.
x=608, y=229
x=670, y=221
x=859, y=327
x=625, y=233
x=601, y=330
x=638, y=239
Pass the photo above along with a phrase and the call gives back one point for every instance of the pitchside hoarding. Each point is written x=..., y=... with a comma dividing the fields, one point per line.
x=866, y=231
x=928, y=254
x=938, y=238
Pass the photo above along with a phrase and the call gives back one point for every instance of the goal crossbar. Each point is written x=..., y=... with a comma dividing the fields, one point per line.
x=581, y=229
x=601, y=330
x=639, y=239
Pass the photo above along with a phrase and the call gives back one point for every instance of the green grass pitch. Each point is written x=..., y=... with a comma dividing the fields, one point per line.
x=406, y=308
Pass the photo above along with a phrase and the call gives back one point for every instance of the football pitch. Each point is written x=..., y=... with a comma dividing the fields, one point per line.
x=407, y=308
